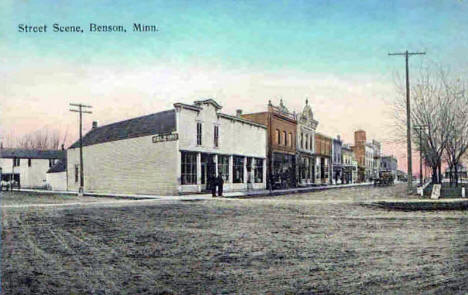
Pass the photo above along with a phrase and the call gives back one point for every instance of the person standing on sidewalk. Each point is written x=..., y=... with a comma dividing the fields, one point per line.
x=220, y=182
x=213, y=184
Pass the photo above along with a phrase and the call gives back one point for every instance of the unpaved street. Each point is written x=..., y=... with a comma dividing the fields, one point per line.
x=322, y=242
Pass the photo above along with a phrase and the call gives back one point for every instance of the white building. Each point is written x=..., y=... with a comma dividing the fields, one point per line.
x=171, y=152
x=305, y=146
x=28, y=168
x=57, y=176
x=369, y=157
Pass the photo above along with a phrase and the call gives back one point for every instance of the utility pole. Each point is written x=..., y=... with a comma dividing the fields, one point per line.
x=408, y=117
x=420, y=128
x=81, y=111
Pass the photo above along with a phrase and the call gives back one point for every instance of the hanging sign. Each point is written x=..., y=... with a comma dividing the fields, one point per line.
x=165, y=137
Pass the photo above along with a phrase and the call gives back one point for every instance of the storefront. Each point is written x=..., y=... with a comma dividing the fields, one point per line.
x=283, y=170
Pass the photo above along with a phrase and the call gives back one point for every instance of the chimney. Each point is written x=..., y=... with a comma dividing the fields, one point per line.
x=239, y=113
x=63, y=147
x=95, y=124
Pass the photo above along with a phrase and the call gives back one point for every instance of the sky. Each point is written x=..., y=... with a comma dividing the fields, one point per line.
x=241, y=53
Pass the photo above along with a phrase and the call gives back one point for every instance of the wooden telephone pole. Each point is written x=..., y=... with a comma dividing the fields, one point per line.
x=81, y=111
x=408, y=118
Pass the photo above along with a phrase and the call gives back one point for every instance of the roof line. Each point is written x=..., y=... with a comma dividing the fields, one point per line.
x=234, y=118
x=113, y=123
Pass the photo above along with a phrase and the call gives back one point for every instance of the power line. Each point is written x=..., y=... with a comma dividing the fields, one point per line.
x=408, y=117
x=81, y=111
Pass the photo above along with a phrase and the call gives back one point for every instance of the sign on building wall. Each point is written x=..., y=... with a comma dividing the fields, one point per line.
x=165, y=137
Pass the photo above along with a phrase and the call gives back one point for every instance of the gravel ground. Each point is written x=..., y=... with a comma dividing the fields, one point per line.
x=321, y=242
x=26, y=198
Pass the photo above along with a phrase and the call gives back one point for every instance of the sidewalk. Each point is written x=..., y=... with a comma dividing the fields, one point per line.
x=196, y=197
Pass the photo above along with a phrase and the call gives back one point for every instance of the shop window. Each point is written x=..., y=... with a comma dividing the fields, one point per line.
x=258, y=171
x=223, y=167
x=238, y=169
x=188, y=168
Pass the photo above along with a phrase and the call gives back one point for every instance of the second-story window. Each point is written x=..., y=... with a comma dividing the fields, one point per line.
x=278, y=137
x=302, y=140
x=16, y=162
x=285, y=138
x=307, y=142
x=290, y=139
x=216, y=136
x=310, y=142
x=199, y=133
x=29, y=163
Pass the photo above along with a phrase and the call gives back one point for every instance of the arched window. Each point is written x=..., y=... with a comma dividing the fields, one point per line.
x=285, y=138
x=290, y=139
x=278, y=137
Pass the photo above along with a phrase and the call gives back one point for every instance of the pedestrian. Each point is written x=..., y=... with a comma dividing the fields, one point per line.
x=213, y=183
x=220, y=182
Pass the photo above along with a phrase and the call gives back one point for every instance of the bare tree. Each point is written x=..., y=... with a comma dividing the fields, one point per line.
x=42, y=139
x=431, y=105
x=457, y=144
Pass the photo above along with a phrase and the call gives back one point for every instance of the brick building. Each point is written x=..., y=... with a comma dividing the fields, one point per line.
x=359, y=150
x=281, y=144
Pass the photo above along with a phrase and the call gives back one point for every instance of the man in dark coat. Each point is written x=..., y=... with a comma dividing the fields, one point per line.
x=220, y=182
x=213, y=183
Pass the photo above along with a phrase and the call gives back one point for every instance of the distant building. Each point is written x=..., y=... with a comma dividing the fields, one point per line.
x=281, y=144
x=360, y=152
x=175, y=151
x=28, y=168
x=350, y=165
x=377, y=158
x=323, y=154
x=337, y=161
x=306, y=126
